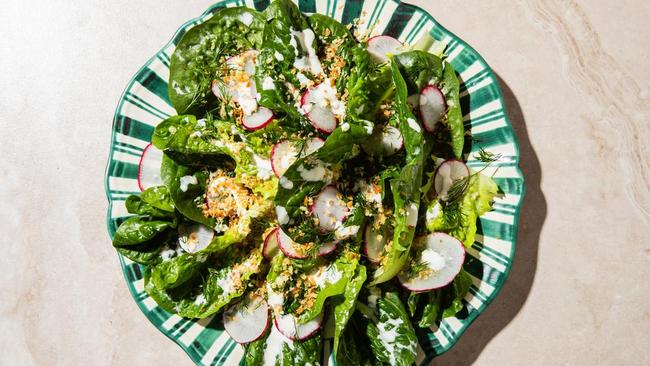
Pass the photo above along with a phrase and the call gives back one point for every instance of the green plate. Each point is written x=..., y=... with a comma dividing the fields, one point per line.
x=145, y=103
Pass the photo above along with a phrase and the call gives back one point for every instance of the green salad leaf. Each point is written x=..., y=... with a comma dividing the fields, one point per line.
x=393, y=338
x=459, y=218
x=201, y=53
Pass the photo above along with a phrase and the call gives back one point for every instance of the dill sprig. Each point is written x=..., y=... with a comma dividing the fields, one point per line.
x=486, y=156
x=416, y=268
x=460, y=186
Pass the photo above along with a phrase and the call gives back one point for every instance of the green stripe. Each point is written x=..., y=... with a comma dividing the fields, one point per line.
x=140, y=105
x=261, y=4
x=416, y=29
x=351, y=11
x=399, y=20
x=307, y=6
x=133, y=128
x=153, y=108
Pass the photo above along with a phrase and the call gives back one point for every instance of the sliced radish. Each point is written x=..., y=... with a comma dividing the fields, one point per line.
x=448, y=172
x=432, y=106
x=245, y=61
x=317, y=103
x=327, y=248
x=258, y=119
x=194, y=238
x=248, y=320
x=284, y=153
x=375, y=241
x=270, y=247
x=384, y=141
x=443, y=255
x=288, y=325
x=329, y=209
x=238, y=84
x=149, y=168
x=312, y=145
x=380, y=47
x=289, y=247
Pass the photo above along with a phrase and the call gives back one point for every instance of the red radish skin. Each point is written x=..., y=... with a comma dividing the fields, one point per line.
x=289, y=327
x=428, y=283
x=246, y=330
x=327, y=248
x=323, y=211
x=290, y=248
x=313, y=145
x=433, y=106
x=259, y=119
x=284, y=153
x=270, y=247
x=380, y=46
x=446, y=174
x=149, y=168
x=277, y=153
x=323, y=120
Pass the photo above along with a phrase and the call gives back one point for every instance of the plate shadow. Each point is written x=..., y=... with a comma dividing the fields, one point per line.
x=517, y=287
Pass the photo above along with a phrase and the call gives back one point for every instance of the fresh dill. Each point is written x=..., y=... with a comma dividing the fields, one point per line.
x=486, y=156
x=416, y=268
x=460, y=186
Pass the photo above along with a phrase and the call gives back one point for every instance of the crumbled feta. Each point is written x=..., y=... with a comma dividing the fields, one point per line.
x=433, y=259
x=281, y=213
x=268, y=83
x=186, y=180
x=286, y=183
x=414, y=125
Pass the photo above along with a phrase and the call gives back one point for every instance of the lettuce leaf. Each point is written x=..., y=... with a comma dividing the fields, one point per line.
x=458, y=219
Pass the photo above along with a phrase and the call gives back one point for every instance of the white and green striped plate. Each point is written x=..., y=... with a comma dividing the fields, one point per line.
x=145, y=103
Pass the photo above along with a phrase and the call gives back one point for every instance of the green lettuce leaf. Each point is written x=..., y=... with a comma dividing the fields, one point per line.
x=202, y=51
x=344, y=305
x=392, y=339
x=405, y=188
x=458, y=219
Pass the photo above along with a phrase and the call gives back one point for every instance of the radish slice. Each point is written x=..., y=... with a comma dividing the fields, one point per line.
x=288, y=325
x=239, y=85
x=432, y=106
x=329, y=209
x=380, y=47
x=447, y=173
x=270, y=247
x=374, y=243
x=384, y=141
x=313, y=144
x=327, y=248
x=245, y=61
x=247, y=320
x=149, y=168
x=321, y=106
x=285, y=153
x=443, y=255
x=258, y=119
x=194, y=238
x=289, y=247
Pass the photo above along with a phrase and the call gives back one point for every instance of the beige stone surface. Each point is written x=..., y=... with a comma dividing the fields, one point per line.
x=576, y=78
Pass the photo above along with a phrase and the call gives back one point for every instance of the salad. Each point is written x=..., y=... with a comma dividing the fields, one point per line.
x=312, y=186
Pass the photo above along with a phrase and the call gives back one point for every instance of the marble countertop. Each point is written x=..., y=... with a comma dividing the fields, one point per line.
x=575, y=76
